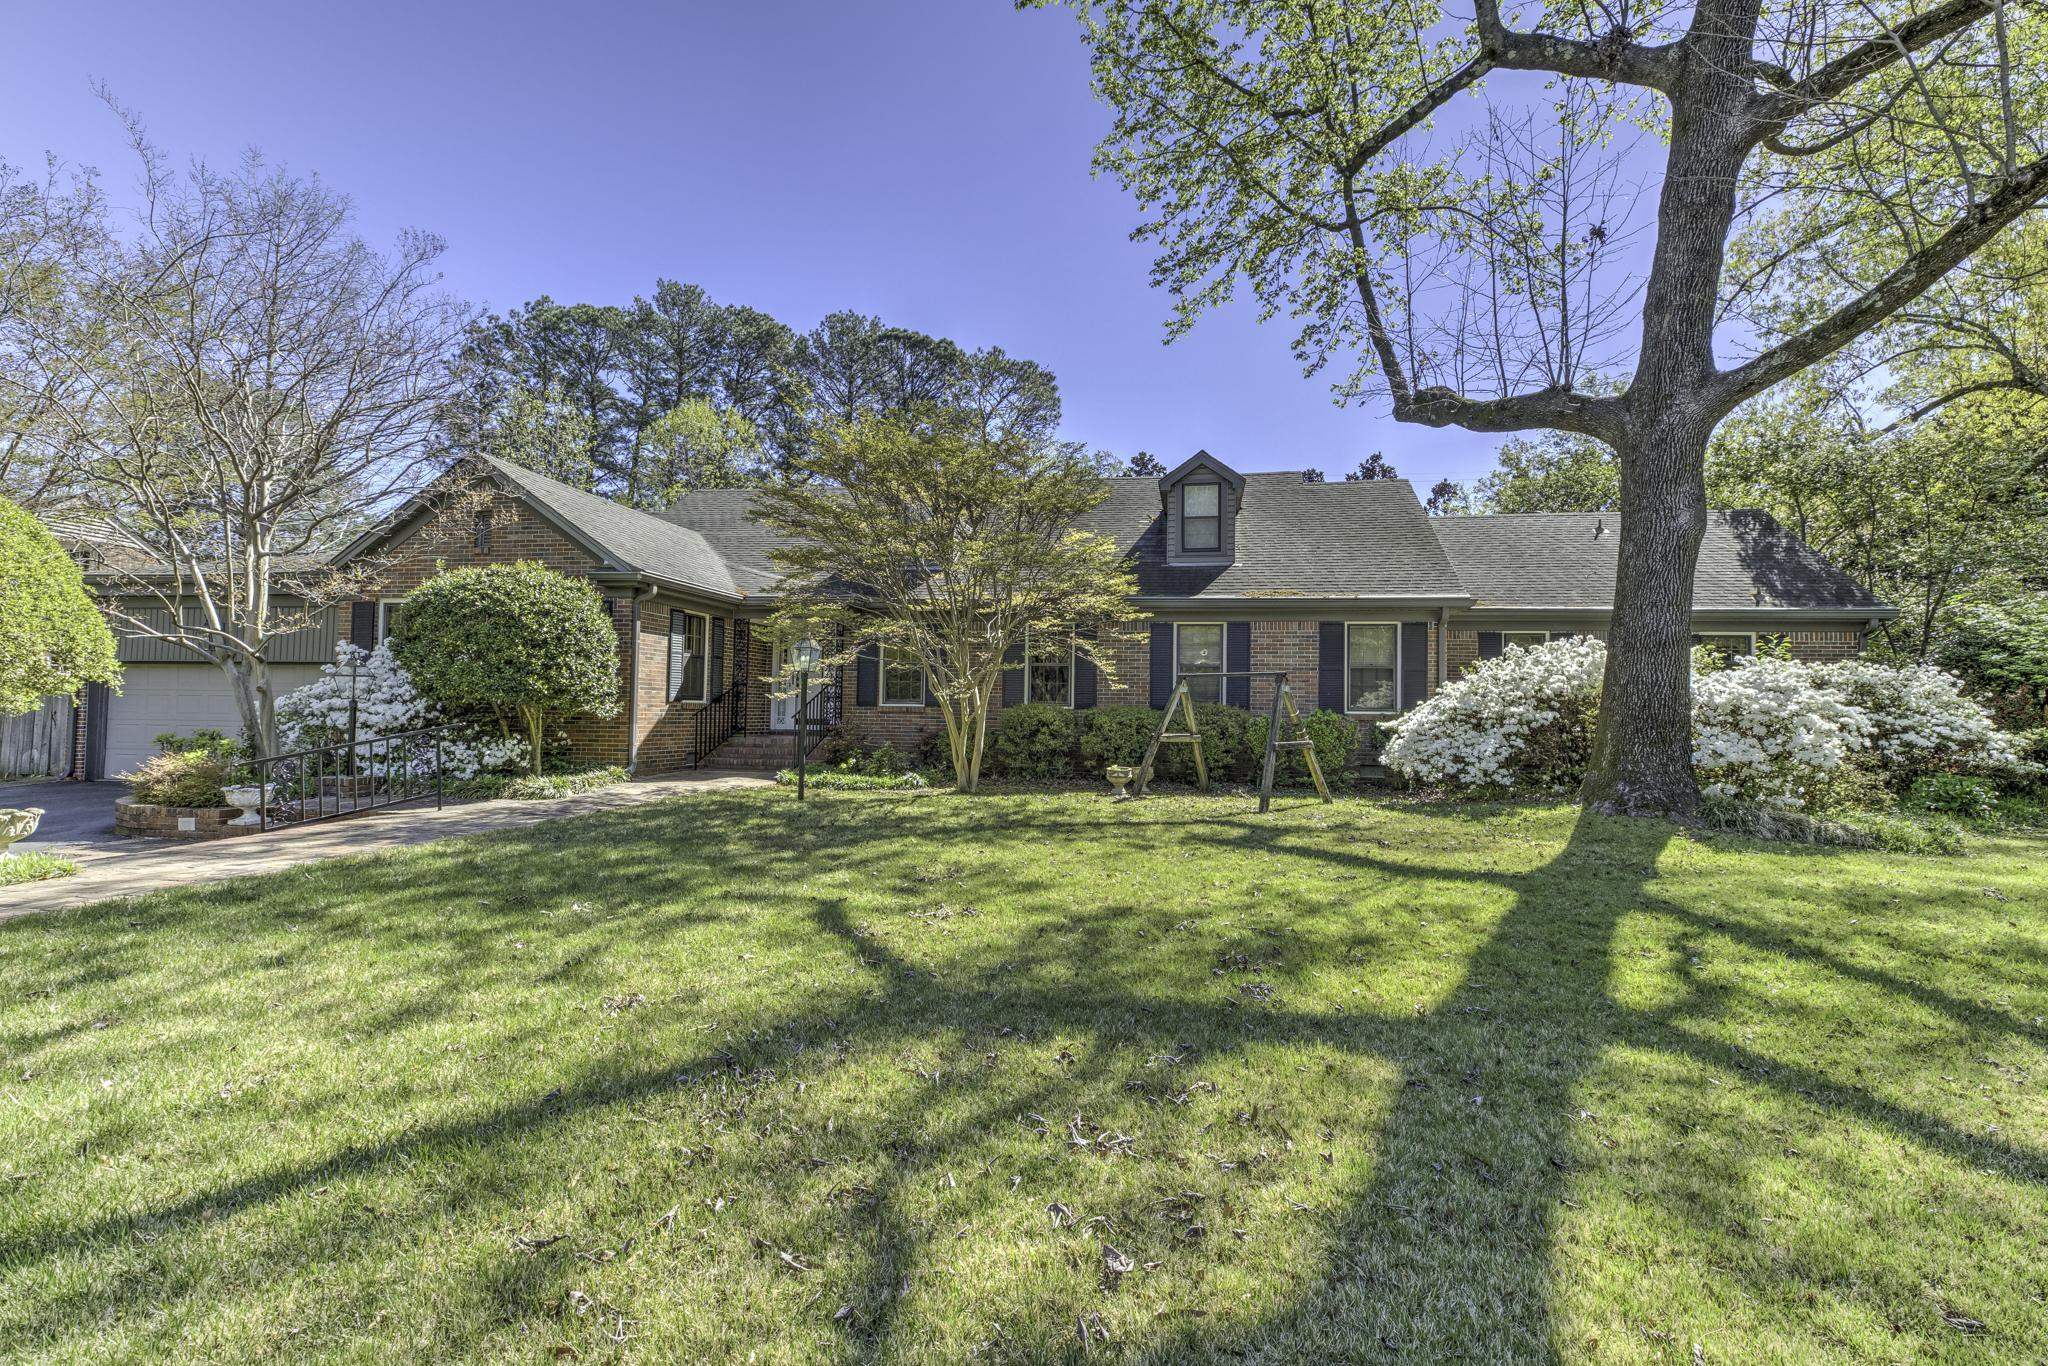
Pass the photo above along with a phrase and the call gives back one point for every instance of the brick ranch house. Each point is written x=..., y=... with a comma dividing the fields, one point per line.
x=1365, y=600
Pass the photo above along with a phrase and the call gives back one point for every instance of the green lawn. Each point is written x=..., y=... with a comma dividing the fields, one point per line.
x=921, y=1077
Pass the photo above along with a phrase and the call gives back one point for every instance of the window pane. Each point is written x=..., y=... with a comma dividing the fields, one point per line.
x=902, y=680
x=1201, y=650
x=1201, y=520
x=1727, y=645
x=1049, y=673
x=698, y=663
x=1371, y=657
x=1508, y=638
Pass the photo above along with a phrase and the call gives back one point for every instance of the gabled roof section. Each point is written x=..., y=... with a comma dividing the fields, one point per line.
x=624, y=540
x=725, y=519
x=1200, y=462
x=1551, y=560
x=1367, y=539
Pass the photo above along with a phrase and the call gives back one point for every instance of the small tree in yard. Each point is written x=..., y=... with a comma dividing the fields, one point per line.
x=520, y=641
x=53, y=639
x=945, y=544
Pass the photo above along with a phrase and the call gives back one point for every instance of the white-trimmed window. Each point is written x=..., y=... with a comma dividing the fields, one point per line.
x=1729, y=643
x=1049, y=668
x=1372, y=667
x=902, y=678
x=1508, y=638
x=1198, y=649
x=387, y=612
x=1201, y=517
x=689, y=657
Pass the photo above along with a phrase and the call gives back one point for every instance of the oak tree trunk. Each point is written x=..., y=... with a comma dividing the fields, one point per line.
x=1642, y=749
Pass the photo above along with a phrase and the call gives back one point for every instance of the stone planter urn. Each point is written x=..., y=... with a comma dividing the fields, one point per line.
x=1120, y=776
x=17, y=823
x=250, y=799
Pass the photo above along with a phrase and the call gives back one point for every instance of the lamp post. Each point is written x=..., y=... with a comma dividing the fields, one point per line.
x=805, y=657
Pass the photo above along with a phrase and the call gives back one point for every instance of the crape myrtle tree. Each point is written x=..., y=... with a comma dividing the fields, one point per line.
x=1451, y=196
x=941, y=541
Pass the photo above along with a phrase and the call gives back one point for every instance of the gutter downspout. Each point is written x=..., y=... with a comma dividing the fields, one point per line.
x=640, y=595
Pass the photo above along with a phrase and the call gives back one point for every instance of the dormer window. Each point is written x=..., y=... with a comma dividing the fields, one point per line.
x=1201, y=517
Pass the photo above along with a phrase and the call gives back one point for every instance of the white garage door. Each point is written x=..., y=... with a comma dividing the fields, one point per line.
x=156, y=698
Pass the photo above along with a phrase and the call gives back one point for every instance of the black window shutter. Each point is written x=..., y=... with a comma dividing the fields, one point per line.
x=1084, y=672
x=867, y=670
x=930, y=699
x=1013, y=676
x=1414, y=663
x=362, y=624
x=1237, y=654
x=1330, y=665
x=717, y=685
x=1162, y=662
x=1489, y=645
x=675, y=654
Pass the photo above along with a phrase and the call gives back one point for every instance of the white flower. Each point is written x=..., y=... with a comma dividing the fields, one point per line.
x=386, y=704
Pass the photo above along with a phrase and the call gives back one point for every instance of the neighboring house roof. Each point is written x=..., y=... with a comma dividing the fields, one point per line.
x=1567, y=560
x=633, y=540
x=1367, y=538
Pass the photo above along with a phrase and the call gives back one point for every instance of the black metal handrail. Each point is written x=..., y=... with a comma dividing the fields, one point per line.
x=723, y=717
x=821, y=714
x=322, y=782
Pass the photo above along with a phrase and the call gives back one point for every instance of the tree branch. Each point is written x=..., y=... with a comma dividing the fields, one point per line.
x=1868, y=58
x=1911, y=278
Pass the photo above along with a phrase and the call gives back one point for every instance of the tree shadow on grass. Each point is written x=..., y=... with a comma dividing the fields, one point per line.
x=1445, y=1249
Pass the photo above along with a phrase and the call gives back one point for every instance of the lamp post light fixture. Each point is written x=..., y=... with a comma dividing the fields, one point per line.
x=805, y=657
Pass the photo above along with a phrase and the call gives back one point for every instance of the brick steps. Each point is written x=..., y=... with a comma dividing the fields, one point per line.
x=766, y=752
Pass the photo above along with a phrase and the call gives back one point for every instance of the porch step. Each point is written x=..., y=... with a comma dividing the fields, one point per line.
x=768, y=752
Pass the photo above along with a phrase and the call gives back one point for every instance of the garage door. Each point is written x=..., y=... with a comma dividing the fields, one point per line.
x=155, y=698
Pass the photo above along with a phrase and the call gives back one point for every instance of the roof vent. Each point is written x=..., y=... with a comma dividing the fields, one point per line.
x=1599, y=528
x=1759, y=596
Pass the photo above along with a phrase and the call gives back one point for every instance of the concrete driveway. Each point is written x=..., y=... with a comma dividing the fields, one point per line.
x=76, y=816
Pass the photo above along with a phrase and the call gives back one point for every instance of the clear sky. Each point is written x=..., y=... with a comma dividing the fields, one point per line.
x=924, y=160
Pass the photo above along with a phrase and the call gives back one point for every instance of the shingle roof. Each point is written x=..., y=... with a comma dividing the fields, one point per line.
x=1367, y=538
x=1567, y=560
x=635, y=540
x=725, y=519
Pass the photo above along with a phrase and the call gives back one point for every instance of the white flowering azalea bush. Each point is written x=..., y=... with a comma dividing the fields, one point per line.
x=1521, y=721
x=1920, y=723
x=1768, y=731
x=386, y=704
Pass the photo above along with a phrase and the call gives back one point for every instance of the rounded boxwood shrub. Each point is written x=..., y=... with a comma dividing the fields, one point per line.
x=1113, y=735
x=1034, y=740
x=193, y=777
x=519, y=640
x=1336, y=740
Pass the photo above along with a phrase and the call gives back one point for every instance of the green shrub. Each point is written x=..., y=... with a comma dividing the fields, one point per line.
x=841, y=780
x=1113, y=735
x=1336, y=739
x=192, y=778
x=1034, y=742
x=520, y=640
x=227, y=748
x=33, y=865
x=1957, y=794
x=1226, y=747
x=881, y=761
x=55, y=639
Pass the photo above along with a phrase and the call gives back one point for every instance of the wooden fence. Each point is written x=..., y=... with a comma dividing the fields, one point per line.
x=37, y=744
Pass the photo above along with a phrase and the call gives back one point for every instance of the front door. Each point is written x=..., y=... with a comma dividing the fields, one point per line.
x=782, y=710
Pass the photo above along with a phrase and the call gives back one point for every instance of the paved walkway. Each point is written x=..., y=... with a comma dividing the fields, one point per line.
x=139, y=866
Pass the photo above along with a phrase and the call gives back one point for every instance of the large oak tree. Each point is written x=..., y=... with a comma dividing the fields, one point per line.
x=1490, y=207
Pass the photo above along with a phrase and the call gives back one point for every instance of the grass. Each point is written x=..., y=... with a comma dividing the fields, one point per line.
x=533, y=787
x=33, y=865
x=920, y=1077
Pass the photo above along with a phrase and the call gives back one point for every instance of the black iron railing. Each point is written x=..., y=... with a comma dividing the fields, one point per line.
x=722, y=718
x=345, y=779
x=820, y=715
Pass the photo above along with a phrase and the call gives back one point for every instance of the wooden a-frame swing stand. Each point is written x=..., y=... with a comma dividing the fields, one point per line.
x=1283, y=702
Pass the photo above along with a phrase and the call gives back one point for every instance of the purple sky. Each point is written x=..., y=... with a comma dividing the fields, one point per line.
x=925, y=160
